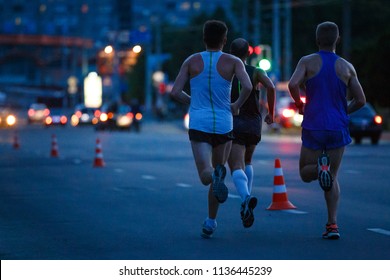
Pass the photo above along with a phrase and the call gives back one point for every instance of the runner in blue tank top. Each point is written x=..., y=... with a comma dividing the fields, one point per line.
x=211, y=123
x=326, y=78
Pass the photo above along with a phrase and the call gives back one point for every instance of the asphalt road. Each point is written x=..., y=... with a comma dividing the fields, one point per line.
x=147, y=202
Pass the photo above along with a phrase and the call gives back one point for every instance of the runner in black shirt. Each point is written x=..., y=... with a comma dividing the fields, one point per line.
x=247, y=130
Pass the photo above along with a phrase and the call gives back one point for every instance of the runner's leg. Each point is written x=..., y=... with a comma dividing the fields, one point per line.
x=332, y=197
x=248, y=165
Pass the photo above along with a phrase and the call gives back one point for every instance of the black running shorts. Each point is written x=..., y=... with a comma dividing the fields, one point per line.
x=211, y=138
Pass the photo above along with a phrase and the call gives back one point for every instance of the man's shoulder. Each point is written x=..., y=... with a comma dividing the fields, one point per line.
x=229, y=56
x=196, y=57
x=310, y=57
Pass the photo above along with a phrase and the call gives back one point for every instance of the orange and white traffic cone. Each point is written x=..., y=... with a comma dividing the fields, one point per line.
x=279, y=197
x=54, y=146
x=99, y=162
x=16, y=143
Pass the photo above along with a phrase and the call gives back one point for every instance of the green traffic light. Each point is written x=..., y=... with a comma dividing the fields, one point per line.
x=264, y=64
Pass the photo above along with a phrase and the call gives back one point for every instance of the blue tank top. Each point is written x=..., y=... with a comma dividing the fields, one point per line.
x=326, y=102
x=210, y=98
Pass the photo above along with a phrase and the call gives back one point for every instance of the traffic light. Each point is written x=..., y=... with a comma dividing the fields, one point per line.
x=260, y=56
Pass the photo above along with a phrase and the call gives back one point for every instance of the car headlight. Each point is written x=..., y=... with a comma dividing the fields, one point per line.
x=11, y=120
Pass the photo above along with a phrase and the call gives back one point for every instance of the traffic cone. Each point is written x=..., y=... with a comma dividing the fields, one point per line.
x=279, y=197
x=99, y=162
x=54, y=146
x=16, y=143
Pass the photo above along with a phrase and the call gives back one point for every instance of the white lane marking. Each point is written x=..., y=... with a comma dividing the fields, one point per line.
x=352, y=171
x=293, y=211
x=234, y=196
x=148, y=177
x=118, y=170
x=183, y=185
x=380, y=230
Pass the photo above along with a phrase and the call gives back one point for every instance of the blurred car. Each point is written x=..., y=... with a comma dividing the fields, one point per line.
x=37, y=113
x=115, y=116
x=365, y=122
x=7, y=118
x=56, y=117
x=287, y=114
x=85, y=115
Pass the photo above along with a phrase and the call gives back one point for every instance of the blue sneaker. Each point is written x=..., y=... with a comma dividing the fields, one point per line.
x=246, y=212
x=324, y=176
x=208, y=229
x=220, y=190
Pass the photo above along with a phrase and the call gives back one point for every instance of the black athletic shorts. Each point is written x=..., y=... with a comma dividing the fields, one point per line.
x=247, y=130
x=211, y=138
x=246, y=139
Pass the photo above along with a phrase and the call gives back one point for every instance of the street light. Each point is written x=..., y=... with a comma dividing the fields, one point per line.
x=137, y=49
x=108, y=49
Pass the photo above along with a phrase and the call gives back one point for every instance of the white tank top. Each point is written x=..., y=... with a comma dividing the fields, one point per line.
x=210, y=98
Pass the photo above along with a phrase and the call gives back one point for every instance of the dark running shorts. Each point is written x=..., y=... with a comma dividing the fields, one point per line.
x=325, y=139
x=246, y=139
x=247, y=130
x=211, y=138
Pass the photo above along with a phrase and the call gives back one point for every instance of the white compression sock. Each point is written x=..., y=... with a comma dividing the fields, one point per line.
x=241, y=182
x=249, y=175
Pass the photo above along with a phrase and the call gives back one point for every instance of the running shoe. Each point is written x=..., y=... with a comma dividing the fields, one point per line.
x=220, y=190
x=324, y=176
x=208, y=229
x=331, y=232
x=246, y=212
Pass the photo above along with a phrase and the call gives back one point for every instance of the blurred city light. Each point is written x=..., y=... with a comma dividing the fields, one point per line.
x=108, y=49
x=137, y=49
x=93, y=90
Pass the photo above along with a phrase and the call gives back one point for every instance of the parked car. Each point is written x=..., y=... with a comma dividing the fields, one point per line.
x=56, y=117
x=365, y=122
x=37, y=113
x=115, y=116
x=7, y=118
x=287, y=114
x=85, y=115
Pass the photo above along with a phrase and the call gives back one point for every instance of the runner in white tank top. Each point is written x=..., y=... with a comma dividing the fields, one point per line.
x=210, y=98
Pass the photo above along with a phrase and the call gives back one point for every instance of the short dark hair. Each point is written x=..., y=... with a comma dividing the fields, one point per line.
x=239, y=47
x=214, y=32
x=327, y=34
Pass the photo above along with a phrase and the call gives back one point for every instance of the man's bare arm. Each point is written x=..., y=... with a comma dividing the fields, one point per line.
x=177, y=91
x=295, y=82
x=246, y=85
x=356, y=93
x=262, y=77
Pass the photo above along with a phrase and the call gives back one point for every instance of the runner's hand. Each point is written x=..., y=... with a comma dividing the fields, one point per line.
x=268, y=119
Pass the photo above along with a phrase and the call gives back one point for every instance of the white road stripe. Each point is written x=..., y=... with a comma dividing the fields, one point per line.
x=148, y=177
x=183, y=185
x=293, y=211
x=234, y=196
x=380, y=230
